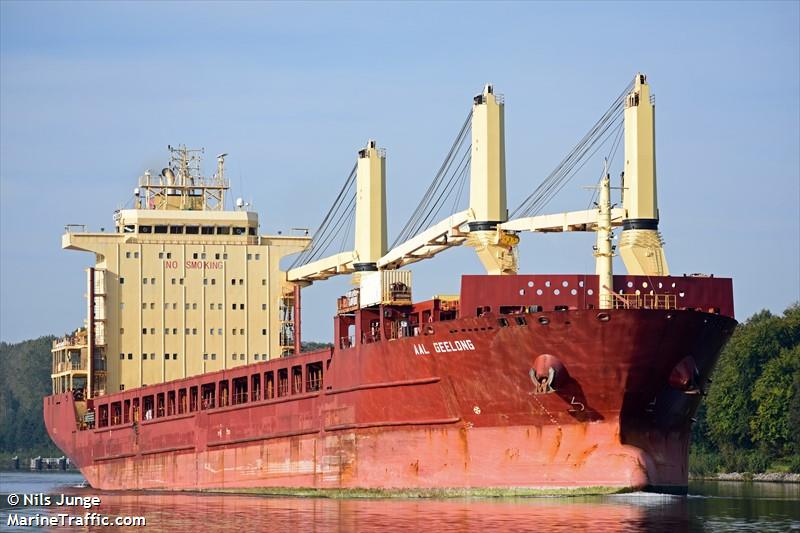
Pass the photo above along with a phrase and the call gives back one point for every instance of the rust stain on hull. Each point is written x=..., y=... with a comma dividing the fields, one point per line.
x=420, y=430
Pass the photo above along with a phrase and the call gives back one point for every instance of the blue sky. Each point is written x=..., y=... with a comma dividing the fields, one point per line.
x=91, y=94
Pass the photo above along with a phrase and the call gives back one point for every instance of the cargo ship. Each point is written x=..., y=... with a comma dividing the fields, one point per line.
x=190, y=374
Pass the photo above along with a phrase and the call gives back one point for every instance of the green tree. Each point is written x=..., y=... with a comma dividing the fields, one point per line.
x=730, y=403
x=774, y=393
x=24, y=381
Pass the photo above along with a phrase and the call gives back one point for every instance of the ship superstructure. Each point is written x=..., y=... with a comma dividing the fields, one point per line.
x=196, y=379
x=182, y=286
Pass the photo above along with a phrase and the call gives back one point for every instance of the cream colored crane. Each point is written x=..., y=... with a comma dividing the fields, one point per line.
x=485, y=225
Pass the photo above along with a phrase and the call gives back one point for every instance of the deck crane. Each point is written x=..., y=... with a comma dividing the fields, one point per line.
x=485, y=224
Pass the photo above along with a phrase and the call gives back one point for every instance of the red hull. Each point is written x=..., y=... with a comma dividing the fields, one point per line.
x=392, y=416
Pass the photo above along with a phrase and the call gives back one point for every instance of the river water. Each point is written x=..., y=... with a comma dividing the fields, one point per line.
x=710, y=506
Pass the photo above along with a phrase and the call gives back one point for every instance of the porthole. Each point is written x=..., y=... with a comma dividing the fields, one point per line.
x=522, y=292
x=589, y=292
x=573, y=292
x=603, y=317
x=556, y=292
x=565, y=283
x=630, y=284
x=539, y=292
x=530, y=284
x=644, y=284
x=547, y=283
x=543, y=320
x=580, y=283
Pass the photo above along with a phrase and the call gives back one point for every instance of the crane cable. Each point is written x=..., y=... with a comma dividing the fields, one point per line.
x=448, y=177
x=341, y=211
x=607, y=126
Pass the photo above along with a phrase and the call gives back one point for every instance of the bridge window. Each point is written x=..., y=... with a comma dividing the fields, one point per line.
x=145, y=229
x=238, y=230
x=192, y=230
x=176, y=230
x=207, y=230
x=223, y=230
x=160, y=229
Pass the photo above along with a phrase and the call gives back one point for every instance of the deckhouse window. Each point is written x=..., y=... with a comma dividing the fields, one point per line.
x=160, y=229
x=313, y=377
x=145, y=229
x=223, y=393
x=207, y=230
x=238, y=231
x=192, y=230
x=192, y=399
x=297, y=379
x=239, y=390
x=283, y=382
x=181, y=401
x=256, y=387
x=223, y=230
x=269, y=385
x=208, y=394
x=176, y=229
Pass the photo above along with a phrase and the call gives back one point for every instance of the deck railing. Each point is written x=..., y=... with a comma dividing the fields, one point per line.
x=645, y=301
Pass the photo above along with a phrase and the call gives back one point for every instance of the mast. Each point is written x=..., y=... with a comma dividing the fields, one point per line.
x=640, y=243
x=370, y=225
x=487, y=186
x=604, y=251
x=181, y=185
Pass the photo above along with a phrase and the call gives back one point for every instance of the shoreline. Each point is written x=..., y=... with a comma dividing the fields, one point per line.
x=771, y=477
